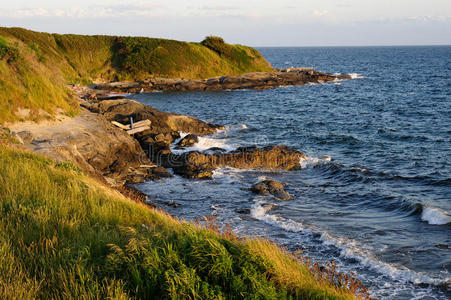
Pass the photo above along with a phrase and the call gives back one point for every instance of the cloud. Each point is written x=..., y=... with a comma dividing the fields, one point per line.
x=320, y=13
x=93, y=11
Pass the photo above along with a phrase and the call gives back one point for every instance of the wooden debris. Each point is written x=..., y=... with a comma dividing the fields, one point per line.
x=135, y=125
x=137, y=129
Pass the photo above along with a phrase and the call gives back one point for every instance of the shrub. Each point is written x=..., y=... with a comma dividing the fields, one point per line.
x=8, y=53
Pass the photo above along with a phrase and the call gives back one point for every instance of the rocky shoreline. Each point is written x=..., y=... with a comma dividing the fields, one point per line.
x=255, y=80
x=96, y=146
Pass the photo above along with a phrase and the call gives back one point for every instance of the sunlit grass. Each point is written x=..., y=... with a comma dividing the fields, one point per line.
x=35, y=67
x=63, y=234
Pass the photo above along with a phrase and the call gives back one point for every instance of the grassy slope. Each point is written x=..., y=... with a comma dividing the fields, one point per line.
x=44, y=63
x=64, y=235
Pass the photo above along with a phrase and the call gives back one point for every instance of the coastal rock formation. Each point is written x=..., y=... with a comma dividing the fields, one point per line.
x=92, y=143
x=188, y=140
x=267, y=187
x=162, y=122
x=199, y=165
x=255, y=80
x=164, y=128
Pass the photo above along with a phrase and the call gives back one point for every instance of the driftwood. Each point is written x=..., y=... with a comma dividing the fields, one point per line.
x=137, y=127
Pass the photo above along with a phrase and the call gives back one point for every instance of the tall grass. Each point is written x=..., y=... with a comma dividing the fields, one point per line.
x=35, y=66
x=63, y=235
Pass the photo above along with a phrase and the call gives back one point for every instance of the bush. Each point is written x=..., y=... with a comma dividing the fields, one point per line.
x=8, y=53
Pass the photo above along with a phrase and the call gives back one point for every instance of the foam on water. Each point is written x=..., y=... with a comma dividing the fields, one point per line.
x=356, y=76
x=204, y=143
x=349, y=249
x=435, y=216
x=259, y=211
x=313, y=161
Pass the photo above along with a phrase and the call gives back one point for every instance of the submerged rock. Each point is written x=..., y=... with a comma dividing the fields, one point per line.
x=271, y=187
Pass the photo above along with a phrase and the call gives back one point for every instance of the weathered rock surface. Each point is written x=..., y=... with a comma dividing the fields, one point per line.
x=164, y=127
x=255, y=80
x=90, y=142
x=162, y=122
x=267, y=187
x=188, y=140
x=199, y=165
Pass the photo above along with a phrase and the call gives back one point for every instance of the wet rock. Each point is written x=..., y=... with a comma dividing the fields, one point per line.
x=188, y=140
x=271, y=187
x=273, y=157
x=243, y=211
x=254, y=80
x=173, y=204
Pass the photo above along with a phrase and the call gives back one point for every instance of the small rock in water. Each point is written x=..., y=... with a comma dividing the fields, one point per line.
x=267, y=187
x=188, y=140
x=243, y=211
x=173, y=204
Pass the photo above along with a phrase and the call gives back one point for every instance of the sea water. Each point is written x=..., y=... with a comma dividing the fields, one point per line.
x=375, y=192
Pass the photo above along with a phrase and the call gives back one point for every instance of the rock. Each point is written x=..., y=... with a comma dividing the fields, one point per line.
x=90, y=142
x=188, y=140
x=243, y=211
x=173, y=204
x=272, y=187
x=253, y=80
x=273, y=157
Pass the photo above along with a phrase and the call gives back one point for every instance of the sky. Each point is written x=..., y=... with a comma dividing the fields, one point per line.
x=250, y=22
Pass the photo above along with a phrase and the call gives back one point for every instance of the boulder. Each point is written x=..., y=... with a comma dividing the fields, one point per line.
x=188, y=140
x=271, y=187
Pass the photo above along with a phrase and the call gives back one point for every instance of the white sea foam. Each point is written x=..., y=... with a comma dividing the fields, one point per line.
x=313, y=161
x=204, y=143
x=435, y=216
x=356, y=76
x=349, y=248
x=259, y=211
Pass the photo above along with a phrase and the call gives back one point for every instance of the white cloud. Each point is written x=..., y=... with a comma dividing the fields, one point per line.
x=93, y=11
x=320, y=13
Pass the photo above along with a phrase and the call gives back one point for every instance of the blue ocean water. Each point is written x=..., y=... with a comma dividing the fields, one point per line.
x=375, y=193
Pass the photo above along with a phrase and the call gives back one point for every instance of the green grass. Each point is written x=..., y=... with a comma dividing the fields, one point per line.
x=63, y=235
x=35, y=66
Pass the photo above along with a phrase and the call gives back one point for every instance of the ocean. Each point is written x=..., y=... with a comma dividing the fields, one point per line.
x=375, y=192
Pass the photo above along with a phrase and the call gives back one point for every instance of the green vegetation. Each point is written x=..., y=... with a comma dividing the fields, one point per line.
x=63, y=235
x=35, y=66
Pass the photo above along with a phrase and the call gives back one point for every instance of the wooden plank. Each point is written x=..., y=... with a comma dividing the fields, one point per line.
x=137, y=129
x=122, y=126
x=142, y=123
x=135, y=125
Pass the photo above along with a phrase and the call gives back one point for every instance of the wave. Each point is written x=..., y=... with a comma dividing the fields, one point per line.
x=347, y=248
x=314, y=161
x=356, y=76
x=435, y=216
x=259, y=211
x=216, y=140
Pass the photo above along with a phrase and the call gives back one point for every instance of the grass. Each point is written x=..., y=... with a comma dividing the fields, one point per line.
x=35, y=67
x=63, y=235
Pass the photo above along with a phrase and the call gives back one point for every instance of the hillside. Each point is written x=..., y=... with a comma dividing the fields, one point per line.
x=35, y=67
x=62, y=234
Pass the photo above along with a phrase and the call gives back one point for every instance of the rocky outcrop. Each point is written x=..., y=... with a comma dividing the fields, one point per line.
x=271, y=187
x=255, y=80
x=162, y=122
x=164, y=129
x=188, y=140
x=200, y=165
x=93, y=144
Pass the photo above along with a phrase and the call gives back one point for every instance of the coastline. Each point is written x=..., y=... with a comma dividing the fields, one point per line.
x=255, y=80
